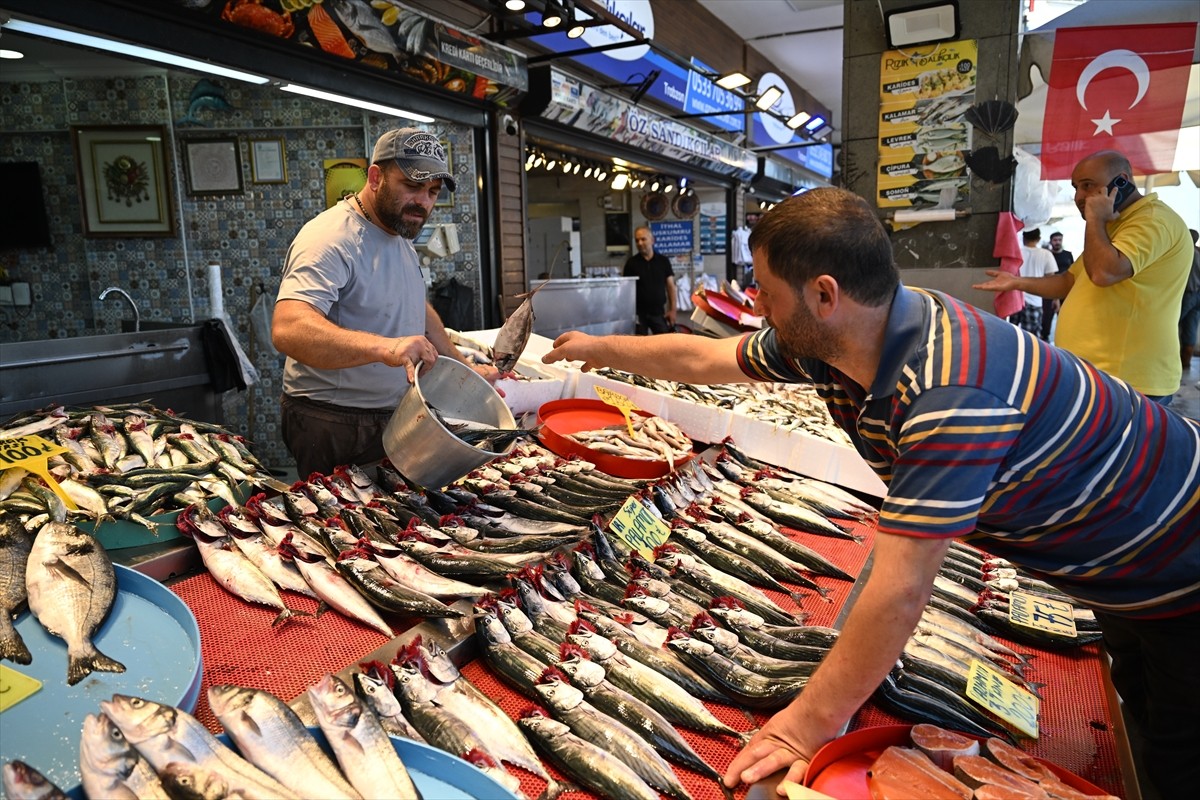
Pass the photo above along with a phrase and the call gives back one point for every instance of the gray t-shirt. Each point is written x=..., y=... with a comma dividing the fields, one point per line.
x=361, y=278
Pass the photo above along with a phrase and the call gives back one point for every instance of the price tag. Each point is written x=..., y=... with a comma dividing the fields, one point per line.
x=623, y=404
x=1035, y=611
x=15, y=687
x=639, y=528
x=30, y=453
x=996, y=693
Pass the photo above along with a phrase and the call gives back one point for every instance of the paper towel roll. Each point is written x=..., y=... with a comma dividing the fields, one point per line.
x=924, y=215
x=216, y=295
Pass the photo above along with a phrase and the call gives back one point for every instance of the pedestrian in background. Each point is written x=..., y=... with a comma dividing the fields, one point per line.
x=655, y=291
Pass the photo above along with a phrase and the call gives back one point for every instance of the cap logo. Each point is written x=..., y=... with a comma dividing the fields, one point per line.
x=424, y=144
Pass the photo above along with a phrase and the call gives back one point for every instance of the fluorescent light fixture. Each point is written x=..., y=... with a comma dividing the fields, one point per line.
x=11, y=54
x=354, y=101
x=768, y=98
x=733, y=80
x=514, y=5
x=934, y=22
x=131, y=50
x=621, y=181
x=798, y=120
x=814, y=123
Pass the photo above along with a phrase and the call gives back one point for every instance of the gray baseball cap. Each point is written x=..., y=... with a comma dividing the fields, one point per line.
x=417, y=152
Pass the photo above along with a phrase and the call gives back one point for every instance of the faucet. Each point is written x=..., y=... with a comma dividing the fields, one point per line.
x=137, y=317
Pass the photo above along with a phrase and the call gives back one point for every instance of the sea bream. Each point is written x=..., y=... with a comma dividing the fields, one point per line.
x=514, y=334
x=72, y=585
x=15, y=544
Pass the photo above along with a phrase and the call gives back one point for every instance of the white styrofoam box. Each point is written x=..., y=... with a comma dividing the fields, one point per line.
x=702, y=423
x=647, y=400
x=522, y=397
x=804, y=453
x=713, y=326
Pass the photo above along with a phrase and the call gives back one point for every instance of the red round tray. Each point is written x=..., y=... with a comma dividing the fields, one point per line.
x=560, y=418
x=839, y=769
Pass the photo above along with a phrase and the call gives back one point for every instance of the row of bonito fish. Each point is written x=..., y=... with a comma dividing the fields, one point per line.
x=128, y=462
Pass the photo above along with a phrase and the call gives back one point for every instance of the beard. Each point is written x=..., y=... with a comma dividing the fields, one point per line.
x=803, y=336
x=385, y=203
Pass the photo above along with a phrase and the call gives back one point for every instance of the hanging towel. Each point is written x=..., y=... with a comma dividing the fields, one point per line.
x=1008, y=250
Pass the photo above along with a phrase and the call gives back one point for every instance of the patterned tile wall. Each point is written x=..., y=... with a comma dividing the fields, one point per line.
x=247, y=234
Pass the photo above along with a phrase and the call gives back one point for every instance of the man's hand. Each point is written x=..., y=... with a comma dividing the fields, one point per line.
x=489, y=374
x=1099, y=208
x=780, y=744
x=575, y=346
x=1000, y=282
x=671, y=317
x=412, y=353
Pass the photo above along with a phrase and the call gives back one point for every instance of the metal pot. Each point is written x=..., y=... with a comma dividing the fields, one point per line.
x=422, y=448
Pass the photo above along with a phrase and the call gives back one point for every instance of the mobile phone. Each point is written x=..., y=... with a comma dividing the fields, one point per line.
x=1124, y=189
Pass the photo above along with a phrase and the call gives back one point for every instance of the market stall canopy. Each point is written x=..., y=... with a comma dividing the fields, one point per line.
x=1037, y=52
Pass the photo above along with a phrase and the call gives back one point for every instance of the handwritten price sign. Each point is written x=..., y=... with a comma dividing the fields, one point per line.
x=623, y=404
x=996, y=693
x=1035, y=611
x=30, y=453
x=638, y=527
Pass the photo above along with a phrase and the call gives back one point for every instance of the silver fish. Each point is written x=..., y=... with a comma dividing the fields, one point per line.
x=592, y=766
x=15, y=544
x=268, y=732
x=514, y=334
x=71, y=586
x=109, y=766
x=23, y=782
x=55, y=417
x=165, y=734
x=363, y=750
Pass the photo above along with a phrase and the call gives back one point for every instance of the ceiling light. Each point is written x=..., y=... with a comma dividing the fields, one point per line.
x=621, y=181
x=552, y=17
x=814, y=123
x=551, y=164
x=12, y=54
x=668, y=188
x=683, y=182
x=733, y=80
x=601, y=174
x=769, y=97
x=321, y=94
x=587, y=173
x=134, y=51
x=932, y=23
x=514, y=5
x=654, y=186
x=798, y=120
x=578, y=167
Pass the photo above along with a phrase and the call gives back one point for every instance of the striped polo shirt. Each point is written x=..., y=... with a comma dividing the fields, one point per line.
x=981, y=430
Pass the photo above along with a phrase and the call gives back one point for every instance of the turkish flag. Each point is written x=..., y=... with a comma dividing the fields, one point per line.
x=1116, y=88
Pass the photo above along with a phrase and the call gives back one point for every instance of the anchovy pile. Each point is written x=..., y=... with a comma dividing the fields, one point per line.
x=67, y=579
x=652, y=439
x=787, y=406
x=128, y=462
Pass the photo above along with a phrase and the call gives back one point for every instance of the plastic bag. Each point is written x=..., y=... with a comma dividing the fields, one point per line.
x=1033, y=198
x=260, y=317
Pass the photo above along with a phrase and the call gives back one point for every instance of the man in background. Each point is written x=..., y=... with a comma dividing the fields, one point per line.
x=655, y=303
x=1035, y=263
x=1123, y=294
x=1064, y=259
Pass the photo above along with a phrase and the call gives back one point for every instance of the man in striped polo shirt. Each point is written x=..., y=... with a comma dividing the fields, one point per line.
x=979, y=430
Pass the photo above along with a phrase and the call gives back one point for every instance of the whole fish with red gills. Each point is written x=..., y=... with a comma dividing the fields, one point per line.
x=514, y=334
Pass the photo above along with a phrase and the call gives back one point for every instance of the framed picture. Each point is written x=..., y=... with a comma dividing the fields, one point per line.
x=616, y=232
x=124, y=188
x=446, y=198
x=343, y=177
x=213, y=166
x=268, y=161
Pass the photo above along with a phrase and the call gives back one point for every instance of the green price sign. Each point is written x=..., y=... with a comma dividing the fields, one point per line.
x=996, y=693
x=1035, y=611
x=638, y=527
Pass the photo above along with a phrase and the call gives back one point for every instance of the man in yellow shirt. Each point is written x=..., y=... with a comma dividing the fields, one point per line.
x=1123, y=294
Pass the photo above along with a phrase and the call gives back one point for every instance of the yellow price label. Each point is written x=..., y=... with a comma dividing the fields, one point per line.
x=621, y=402
x=638, y=527
x=1035, y=611
x=996, y=693
x=15, y=687
x=30, y=453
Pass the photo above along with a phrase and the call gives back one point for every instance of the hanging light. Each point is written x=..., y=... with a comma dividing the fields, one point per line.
x=668, y=187
x=768, y=98
x=798, y=120
x=601, y=174
x=574, y=22
x=654, y=186
x=551, y=164
x=552, y=17
x=514, y=5
x=578, y=166
x=587, y=172
x=683, y=182
x=621, y=181
x=733, y=80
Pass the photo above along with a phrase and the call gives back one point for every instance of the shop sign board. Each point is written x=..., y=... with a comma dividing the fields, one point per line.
x=674, y=237
x=768, y=130
x=578, y=105
x=923, y=138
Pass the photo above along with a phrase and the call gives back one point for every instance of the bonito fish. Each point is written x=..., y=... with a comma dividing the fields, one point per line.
x=514, y=334
x=71, y=586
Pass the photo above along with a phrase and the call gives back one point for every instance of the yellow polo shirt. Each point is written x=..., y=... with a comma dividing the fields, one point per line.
x=1130, y=329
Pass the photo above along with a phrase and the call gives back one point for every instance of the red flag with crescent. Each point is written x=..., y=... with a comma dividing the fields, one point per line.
x=1116, y=88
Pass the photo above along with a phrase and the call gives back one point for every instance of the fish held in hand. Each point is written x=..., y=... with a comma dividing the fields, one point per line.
x=514, y=334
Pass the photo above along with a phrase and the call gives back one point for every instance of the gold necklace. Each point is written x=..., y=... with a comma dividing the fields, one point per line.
x=360, y=208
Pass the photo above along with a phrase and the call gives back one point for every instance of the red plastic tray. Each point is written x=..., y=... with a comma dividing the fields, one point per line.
x=839, y=769
x=560, y=418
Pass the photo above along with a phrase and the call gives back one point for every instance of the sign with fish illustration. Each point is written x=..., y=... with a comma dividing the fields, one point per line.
x=30, y=453
x=923, y=138
x=999, y=695
x=1035, y=611
x=637, y=526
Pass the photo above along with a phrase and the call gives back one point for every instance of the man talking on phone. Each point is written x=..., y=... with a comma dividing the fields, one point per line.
x=1121, y=297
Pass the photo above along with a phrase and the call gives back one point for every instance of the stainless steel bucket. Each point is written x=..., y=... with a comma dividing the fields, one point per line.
x=422, y=448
